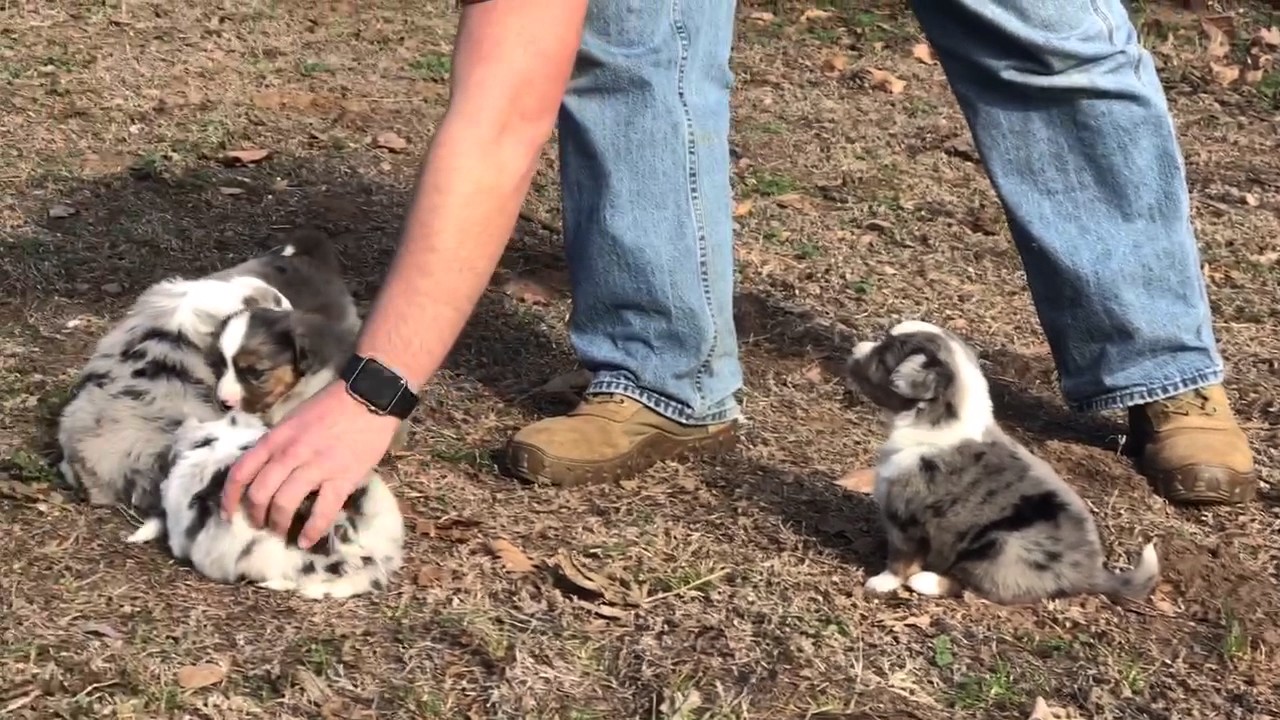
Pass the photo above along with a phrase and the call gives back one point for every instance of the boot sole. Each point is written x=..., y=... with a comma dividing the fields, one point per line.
x=1206, y=487
x=531, y=465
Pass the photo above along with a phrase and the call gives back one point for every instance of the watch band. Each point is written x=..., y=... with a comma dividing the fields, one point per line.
x=379, y=387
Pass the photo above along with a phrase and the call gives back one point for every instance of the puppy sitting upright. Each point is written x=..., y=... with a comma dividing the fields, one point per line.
x=963, y=504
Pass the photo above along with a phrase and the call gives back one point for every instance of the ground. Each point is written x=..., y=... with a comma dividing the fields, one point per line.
x=725, y=590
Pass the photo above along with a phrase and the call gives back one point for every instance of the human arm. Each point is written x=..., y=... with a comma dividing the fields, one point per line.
x=506, y=88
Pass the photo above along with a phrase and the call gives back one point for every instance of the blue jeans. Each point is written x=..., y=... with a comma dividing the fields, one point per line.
x=1066, y=112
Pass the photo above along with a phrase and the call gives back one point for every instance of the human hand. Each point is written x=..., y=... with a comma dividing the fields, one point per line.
x=328, y=444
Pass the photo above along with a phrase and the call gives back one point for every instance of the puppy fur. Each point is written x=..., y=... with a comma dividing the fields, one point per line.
x=360, y=553
x=146, y=375
x=307, y=271
x=269, y=361
x=964, y=505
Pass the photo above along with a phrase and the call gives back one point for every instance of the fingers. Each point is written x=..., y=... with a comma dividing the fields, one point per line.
x=243, y=473
x=270, y=478
x=284, y=504
x=332, y=496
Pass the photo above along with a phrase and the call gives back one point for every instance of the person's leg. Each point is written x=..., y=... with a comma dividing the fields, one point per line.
x=644, y=153
x=1072, y=125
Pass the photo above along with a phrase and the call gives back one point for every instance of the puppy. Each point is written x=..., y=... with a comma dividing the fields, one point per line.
x=307, y=271
x=963, y=504
x=362, y=550
x=269, y=361
x=146, y=375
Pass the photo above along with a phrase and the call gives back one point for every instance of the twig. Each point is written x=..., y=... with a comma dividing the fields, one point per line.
x=21, y=702
x=677, y=591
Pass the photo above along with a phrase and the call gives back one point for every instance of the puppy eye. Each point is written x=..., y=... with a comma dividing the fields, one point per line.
x=251, y=374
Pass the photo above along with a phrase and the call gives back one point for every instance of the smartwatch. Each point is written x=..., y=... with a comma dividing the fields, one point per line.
x=378, y=387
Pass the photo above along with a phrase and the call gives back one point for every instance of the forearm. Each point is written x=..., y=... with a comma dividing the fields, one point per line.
x=473, y=182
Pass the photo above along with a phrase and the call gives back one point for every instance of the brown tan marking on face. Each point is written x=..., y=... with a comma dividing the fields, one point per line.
x=266, y=375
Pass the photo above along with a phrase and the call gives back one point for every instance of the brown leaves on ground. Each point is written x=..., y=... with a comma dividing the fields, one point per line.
x=512, y=557
x=431, y=575
x=859, y=480
x=886, y=81
x=455, y=529
x=1218, y=44
x=536, y=287
x=924, y=53
x=1267, y=37
x=604, y=594
x=761, y=17
x=198, y=676
x=815, y=14
x=246, y=156
x=836, y=65
x=60, y=212
x=743, y=208
x=390, y=141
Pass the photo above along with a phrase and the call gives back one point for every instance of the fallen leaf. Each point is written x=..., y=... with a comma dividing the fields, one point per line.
x=959, y=324
x=1250, y=199
x=815, y=14
x=280, y=185
x=1252, y=76
x=430, y=575
x=390, y=141
x=198, y=676
x=814, y=373
x=247, y=156
x=835, y=65
x=1044, y=711
x=607, y=611
x=574, y=381
x=1219, y=45
x=456, y=529
x=528, y=290
x=924, y=53
x=58, y=212
x=761, y=17
x=861, y=480
x=881, y=80
x=113, y=288
x=743, y=208
x=1269, y=37
x=231, y=190
x=1224, y=74
x=578, y=580
x=513, y=558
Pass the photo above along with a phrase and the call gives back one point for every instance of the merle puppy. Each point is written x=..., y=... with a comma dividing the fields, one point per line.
x=963, y=504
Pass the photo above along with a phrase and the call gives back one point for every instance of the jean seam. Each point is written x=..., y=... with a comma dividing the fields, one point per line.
x=1150, y=393
x=695, y=195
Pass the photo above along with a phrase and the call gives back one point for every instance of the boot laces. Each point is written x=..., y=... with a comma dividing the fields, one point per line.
x=1195, y=402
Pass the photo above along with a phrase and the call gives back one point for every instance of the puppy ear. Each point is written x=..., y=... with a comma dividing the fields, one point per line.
x=918, y=377
x=304, y=356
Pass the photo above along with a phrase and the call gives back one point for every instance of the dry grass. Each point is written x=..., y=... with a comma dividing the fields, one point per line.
x=867, y=207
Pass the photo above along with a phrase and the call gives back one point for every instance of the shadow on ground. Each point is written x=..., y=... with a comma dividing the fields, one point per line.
x=130, y=231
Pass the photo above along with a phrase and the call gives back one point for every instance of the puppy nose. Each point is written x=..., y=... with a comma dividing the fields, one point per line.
x=226, y=404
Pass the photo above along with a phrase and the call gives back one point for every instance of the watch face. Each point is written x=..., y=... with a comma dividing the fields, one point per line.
x=377, y=385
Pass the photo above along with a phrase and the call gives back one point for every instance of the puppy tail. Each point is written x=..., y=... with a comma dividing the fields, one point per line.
x=1135, y=584
x=314, y=244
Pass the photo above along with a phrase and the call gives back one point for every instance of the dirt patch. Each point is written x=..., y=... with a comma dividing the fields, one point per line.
x=725, y=591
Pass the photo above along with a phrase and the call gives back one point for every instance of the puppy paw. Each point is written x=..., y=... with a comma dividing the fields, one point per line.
x=150, y=530
x=885, y=582
x=931, y=584
x=278, y=584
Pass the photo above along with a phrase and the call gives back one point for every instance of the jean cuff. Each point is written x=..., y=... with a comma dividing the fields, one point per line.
x=1122, y=399
x=621, y=383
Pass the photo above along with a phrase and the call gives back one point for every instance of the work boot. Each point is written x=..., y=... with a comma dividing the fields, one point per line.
x=608, y=438
x=1191, y=448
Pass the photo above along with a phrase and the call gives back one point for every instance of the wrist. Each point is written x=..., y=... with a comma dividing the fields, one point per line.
x=377, y=386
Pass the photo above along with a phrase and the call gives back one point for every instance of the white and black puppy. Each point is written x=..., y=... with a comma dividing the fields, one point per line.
x=963, y=504
x=360, y=553
x=147, y=375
